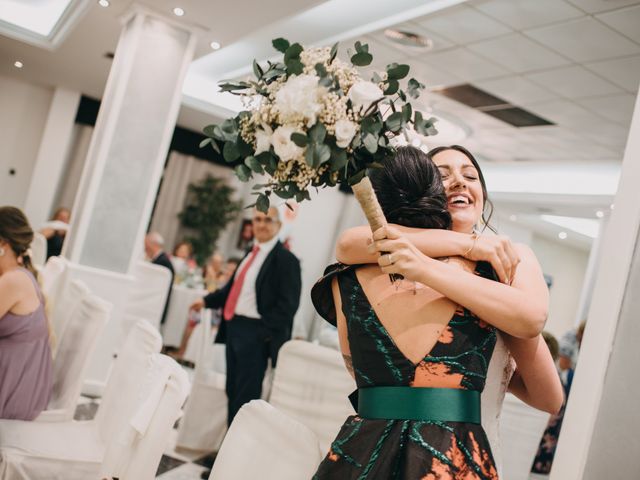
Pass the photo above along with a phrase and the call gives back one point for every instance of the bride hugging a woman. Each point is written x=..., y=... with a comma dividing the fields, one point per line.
x=419, y=348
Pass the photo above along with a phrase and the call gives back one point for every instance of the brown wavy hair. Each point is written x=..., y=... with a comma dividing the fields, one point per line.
x=487, y=206
x=16, y=231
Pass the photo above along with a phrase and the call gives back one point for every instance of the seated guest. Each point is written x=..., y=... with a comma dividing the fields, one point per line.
x=25, y=353
x=153, y=243
x=213, y=272
x=229, y=270
x=55, y=236
x=182, y=257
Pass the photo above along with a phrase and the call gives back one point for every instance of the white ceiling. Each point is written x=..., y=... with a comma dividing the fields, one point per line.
x=573, y=62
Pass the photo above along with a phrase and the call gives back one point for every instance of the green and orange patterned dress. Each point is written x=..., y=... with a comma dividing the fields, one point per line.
x=408, y=449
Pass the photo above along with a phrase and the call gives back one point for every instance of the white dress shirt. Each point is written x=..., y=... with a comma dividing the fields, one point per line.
x=247, y=302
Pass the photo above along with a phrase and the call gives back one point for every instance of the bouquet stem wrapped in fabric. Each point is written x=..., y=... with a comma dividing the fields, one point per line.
x=312, y=121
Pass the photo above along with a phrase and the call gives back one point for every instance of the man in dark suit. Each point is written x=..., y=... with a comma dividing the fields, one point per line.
x=153, y=243
x=258, y=304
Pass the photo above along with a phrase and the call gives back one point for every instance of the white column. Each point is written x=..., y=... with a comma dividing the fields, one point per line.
x=52, y=156
x=130, y=142
x=124, y=164
x=605, y=391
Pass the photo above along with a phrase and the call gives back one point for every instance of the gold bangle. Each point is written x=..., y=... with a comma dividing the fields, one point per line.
x=474, y=237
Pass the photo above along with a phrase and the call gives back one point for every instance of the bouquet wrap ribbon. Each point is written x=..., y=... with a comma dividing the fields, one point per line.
x=367, y=199
x=366, y=196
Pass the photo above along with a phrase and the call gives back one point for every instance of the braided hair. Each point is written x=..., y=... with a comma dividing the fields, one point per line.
x=410, y=190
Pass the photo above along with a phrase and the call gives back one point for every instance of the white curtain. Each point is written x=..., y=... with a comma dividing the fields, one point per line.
x=181, y=170
x=75, y=163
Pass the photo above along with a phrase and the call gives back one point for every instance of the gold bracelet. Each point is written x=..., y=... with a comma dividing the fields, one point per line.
x=474, y=237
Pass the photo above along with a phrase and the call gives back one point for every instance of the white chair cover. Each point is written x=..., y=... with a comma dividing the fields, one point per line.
x=267, y=444
x=204, y=422
x=195, y=344
x=75, y=450
x=178, y=313
x=521, y=429
x=149, y=292
x=52, y=276
x=137, y=450
x=38, y=249
x=311, y=385
x=80, y=336
x=70, y=296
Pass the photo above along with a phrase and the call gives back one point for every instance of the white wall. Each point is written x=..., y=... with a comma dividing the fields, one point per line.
x=567, y=266
x=23, y=113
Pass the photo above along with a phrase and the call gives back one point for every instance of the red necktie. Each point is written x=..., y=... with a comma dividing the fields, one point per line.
x=234, y=294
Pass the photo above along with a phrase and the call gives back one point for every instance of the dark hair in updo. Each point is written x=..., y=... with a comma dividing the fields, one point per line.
x=410, y=190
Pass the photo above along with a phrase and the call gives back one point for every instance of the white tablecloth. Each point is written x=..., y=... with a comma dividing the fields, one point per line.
x=178, y=313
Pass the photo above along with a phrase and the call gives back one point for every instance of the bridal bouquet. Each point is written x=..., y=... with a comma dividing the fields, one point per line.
x=311, y=120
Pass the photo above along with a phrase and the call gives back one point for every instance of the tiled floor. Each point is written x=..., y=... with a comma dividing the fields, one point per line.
x=175, y=464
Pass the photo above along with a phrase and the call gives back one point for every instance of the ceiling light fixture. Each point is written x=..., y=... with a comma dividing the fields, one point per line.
x=562, y=235
x=599, y=214
x=178, y=12
x=215, y=45
x=104, y=3
x=513, y=218
x=18, y=64
x=409, y=39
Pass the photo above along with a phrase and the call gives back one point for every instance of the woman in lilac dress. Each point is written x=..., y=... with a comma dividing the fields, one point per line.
x=25, y=353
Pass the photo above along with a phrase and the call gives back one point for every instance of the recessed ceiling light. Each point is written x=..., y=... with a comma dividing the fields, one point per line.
x=599, y=214
x=513, y=218
x=409, y=39
x=612, y=206
x=104, y=3
x=215, y=45
x=562, y=235
x=178, y=12
x=18, y=64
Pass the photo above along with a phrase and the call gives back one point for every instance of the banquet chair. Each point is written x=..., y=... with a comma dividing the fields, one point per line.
x=38, y=249
x=148, y=293
x=265, y=443
x=103, y=446
x=52, y=276
x=73, y=353
x=137, y=450
x=195, y=344
x=204, y=423
x=70, y=296
x=311, y=385
x=521, y=429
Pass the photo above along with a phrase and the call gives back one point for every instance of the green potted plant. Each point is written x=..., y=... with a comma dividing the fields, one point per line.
x=209, y=207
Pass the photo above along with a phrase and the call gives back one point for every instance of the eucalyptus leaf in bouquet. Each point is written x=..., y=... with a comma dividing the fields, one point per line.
x=312, y=121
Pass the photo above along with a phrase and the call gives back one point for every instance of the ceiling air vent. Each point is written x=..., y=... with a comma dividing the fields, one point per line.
x=487, y=103
x=517, y=117
x=471, y=96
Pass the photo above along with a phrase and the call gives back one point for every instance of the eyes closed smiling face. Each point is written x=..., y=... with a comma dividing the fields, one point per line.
x=465, y=198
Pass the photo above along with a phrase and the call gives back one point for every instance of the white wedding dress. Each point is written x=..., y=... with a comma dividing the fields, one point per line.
x=501, y=368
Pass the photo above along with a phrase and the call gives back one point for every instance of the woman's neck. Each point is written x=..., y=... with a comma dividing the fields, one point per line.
x=8, y=264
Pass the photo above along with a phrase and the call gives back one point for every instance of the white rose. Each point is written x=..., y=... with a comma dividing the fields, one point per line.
x=263, y=139
x=345, y=130
x=362, y=94
x=283, y=146
x=300, y=99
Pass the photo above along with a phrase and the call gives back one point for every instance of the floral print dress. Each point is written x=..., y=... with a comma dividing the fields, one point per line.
x=408, y=449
